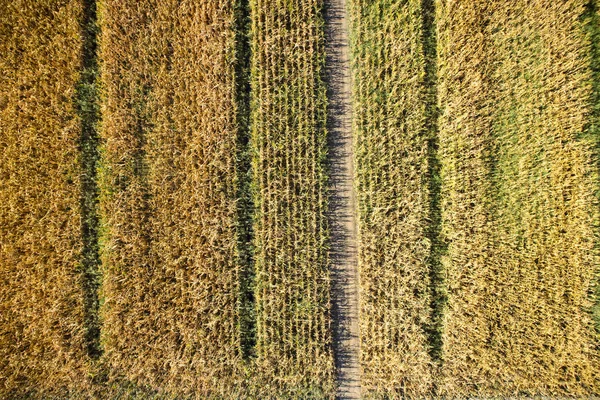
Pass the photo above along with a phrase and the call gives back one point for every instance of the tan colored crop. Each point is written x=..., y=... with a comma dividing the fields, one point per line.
x=168, y=196
x=42, y=346
x=392, y=137
x=519, y=212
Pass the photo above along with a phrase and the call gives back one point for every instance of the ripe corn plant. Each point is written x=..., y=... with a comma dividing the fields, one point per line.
x=43, y=348
x=288, y=144
x=519, y=211
x=168, y=200
x=394, y=136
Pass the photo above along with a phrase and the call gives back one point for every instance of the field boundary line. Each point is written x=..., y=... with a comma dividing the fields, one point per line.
x=436, y=273
x=88, y=110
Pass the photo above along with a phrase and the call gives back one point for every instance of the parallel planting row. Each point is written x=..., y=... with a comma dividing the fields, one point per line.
x=163, y=228
x=288, y=144
x=478, y=254
x=184, y=310
x=392, y=135
x=175, y=279
x=42, y=336
x=168, y=195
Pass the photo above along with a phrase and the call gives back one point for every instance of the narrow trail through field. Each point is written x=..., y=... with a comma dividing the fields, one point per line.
x=345, y=307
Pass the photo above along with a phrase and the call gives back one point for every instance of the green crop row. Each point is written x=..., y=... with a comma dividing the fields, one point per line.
x=288, y=145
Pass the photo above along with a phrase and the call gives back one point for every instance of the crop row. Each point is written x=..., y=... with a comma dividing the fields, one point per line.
x=478, y=227
x=476, y=152
x=393, y=136
x=168, y=200
x=519, y=211
x=288, y=144
x=42, y=336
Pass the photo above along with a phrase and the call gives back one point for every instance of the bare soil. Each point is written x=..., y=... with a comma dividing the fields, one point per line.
x=345, y=284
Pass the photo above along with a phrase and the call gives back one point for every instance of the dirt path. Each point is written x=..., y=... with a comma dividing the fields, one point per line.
x=343, y=203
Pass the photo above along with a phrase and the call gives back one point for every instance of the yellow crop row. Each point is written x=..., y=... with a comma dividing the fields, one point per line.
x=168, y=200
x=42, y=336
x=519, y=209
x=394, y=173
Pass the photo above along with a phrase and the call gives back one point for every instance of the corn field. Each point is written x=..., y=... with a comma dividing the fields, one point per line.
x=288, y=147
x=168, y=206
x=167, y=195
x=42, y=334
x=393, y=184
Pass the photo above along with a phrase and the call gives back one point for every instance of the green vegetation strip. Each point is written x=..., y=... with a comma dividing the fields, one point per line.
x=168, y=196
x=87, y=94
x=519, y=215
x=42, y=298
x=394, y=128
x=288, y=141
x=247, y=310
